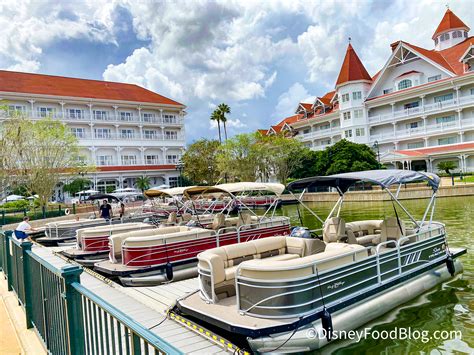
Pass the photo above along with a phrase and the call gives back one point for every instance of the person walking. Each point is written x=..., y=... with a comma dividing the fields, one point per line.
x=122, y=209
x=105, y=210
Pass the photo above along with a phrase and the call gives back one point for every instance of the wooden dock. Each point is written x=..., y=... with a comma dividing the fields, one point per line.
x=146, y=305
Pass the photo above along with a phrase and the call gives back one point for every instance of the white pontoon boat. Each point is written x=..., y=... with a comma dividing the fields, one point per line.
x=274, y=293
x=165, y=254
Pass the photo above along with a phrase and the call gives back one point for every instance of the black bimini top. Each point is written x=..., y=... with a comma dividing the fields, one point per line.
x=103, y=197
x=383, y=178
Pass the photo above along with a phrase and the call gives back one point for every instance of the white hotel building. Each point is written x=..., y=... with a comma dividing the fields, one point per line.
x=124, y=130
x=418, y=109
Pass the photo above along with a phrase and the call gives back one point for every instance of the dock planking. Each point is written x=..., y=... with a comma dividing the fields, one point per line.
x=146, y=305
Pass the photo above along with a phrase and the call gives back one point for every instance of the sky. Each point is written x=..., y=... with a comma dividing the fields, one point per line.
x=259, y=57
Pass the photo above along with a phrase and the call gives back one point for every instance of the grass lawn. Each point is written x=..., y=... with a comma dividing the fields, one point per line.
x=469, y=178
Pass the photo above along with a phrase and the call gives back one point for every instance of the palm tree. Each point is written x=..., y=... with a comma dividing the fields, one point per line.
x=223, y=110
x=215, y=116
x=143, y=183
x=447, y=166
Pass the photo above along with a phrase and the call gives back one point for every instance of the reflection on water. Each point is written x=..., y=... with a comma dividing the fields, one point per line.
x=450, y=306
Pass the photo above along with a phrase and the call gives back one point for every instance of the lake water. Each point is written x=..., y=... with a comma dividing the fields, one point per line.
x=448, y=307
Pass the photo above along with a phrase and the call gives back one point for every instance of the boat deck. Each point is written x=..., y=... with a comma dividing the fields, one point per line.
x=146, y=305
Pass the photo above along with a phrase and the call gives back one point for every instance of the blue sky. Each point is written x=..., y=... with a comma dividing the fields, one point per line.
x=260, y=57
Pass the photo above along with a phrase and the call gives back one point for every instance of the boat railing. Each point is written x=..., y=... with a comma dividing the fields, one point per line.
x=153, y=254
x=69, y=317
x=311, y=285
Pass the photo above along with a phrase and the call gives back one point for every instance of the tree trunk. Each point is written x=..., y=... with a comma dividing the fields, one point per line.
x=219, y=128
x=225, y=131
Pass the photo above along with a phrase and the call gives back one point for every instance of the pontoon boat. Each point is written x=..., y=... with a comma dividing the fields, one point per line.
x=290, y=294
x=168, y=253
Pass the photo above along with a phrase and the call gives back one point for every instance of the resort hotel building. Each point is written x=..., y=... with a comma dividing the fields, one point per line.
x=124, y=130
x=416, y=111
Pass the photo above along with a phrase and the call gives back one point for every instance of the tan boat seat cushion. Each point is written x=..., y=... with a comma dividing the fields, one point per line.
x=334, y=229
x=218, y=221
x=270, y=246
x=390, y=230
x=245, y=218
x=364, y=232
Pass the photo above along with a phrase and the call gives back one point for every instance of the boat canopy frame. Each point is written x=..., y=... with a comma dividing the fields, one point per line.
x=383, y=178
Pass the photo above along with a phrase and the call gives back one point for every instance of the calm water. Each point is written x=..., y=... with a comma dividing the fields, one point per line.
x=450, y=306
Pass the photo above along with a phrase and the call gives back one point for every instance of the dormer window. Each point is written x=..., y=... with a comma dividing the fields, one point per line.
x=404, y=84
x=444, y=37
x=457, y=34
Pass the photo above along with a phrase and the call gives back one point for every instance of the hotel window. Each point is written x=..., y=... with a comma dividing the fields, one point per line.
x=411, y=105
x=436, y=40
x=150, y=134
x=16, y=109
x=75, y=113
x=151, y=159
x=348, y=133
x=46, y=111
x=335, y=123
x=172, y=159
x=413, y=125
x=465, y=34
x=357, y=95
x=171, y=135
x=472, y=91
x=445, y=119
x=415, y=145
x=125, y=116
x=360, y=132
x=447, y=140
x=387, y=91
x=105, y=160
x=444, y=37
x=100, y=115
x=103, y=133
x=127, y=133
x=148, y=117
x=306, y=131
x=169, y=118
x=173, y=181
x=442, y=98
x=325, y=126
x=346, y=115
x=129, y=159
x=404, y=84
x=457, y=34
x=345, y=97
x=434, y=78
x=358, y=113
x=78, y=132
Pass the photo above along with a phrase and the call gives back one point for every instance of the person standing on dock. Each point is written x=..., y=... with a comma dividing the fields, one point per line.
x=105, y=210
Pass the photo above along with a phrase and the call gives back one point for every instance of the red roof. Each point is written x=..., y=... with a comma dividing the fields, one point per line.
x=449, y=22
x=137, y=167
x=288, y=120
x=352, y=68
x=326, y=99
x=440, y=149
x=263, y=132
x=72, y=87
x=306, y=106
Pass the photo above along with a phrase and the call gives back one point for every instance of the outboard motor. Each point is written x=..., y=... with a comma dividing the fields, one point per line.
x=300, y=232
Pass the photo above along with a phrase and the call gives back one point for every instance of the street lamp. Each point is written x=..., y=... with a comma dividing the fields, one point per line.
x=180, y=168
x=376, y=146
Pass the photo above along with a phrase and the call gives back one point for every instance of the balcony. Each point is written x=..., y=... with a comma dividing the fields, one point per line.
x=426, y=109
x=86, y=117
x=320, y=133
x=429, y=130
x=130, y=137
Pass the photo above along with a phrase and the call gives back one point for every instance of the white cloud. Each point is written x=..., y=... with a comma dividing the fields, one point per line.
x=288, y=101
x=29, y=26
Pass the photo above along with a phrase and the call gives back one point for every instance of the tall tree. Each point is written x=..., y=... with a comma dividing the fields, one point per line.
x=215, y=116
x=224, y=110
x=200, y=162
x=77, y=185
x=143, y=183
x=41, y=153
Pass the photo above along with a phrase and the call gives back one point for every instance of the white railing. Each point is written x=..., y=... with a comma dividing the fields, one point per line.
x=128, y=137
x=319, y=133
x=422, y=110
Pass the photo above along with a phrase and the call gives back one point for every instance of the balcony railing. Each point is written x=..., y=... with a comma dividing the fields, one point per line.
x=86, y=117
x=319, y=133
x=128, y=137
x=445, y=127
x=422, y=110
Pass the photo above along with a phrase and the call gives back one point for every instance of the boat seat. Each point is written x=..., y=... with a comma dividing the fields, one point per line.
x=245, y=218
x=218, y=222
x=364, y=232
x=390, y=229
x=334, y=230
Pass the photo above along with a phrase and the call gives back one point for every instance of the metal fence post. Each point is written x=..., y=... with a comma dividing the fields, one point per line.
x=73, y=208
x=25, y=248
x=75, y=327
x=3, y=218
x=8, y=260
x=43, y=210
